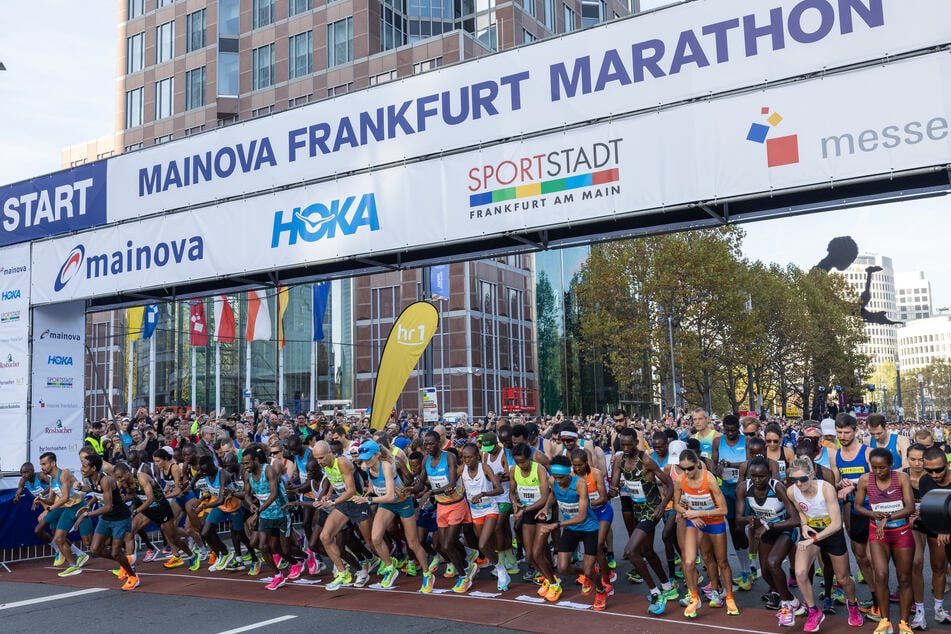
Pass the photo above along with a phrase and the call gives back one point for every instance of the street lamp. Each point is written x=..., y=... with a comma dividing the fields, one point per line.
x=921, y=397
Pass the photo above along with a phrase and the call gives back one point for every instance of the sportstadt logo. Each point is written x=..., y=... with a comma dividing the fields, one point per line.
x=70, y=268
x=780, y=150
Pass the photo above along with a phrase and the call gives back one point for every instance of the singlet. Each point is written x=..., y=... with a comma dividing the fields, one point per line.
x=700, y=498
x=892, y=447
x=706, y=444
x=852, y=470
x=498, y=469
x=569, y=507
x=737, y=454
x=814, y=509
x=119, y=510
x=527, y=488
x=262, y=491
x=439, y=477
x=771, y=509
x=75, y=497
x=888, y=501
x=474, y=485
x=633, y=483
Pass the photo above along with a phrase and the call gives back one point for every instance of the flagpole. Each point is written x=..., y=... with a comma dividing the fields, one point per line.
x=194, y=366
x=217, y=377
x=151, y=374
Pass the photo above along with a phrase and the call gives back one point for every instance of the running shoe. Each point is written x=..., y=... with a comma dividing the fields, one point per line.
x=884, y=627
x=940, y=615
x=70, y=571
x=450, y=571
x=362, y=578
x=58, y=560
x=773, y=601
x=174, y=562
x=342, y=579
x=612, y=564
x=131, y=583
x=554, y=592
x=671, y=594
x=855, y=617
x=235, y=565
x=543, y=589
x=463, y=584
x=586, y=585
x=600, y=601
x=254, y=568
x=874, y=614
x=814, y=620
x=904, y=628
x=744, y=581
x=295, y=571
x=786, y=617
x=194, y=563
x=389, y=577
x=716, y=600
x=657, y=604
x=81, y=559
x=278, y=581
x=150, y=555
x=828, y=606
x=434, y=564
x=429, y=580
x=731, y=608
x=692, y=605
x=504, y=579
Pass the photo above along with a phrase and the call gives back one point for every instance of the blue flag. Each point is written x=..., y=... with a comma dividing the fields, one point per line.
x=321, y=297
x=150, y=321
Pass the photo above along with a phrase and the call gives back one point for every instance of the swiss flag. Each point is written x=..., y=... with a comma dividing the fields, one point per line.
x=198, y=327
x=224, y=320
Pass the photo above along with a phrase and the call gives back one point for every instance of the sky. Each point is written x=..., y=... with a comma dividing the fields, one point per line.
x=59, y=90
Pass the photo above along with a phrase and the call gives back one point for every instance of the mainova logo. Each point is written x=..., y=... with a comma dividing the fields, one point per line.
x=72, y=265
x=322, y=220
x=780, y=150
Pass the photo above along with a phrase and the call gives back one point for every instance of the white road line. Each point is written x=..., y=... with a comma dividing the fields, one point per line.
x=55, y=597
x=253, y=626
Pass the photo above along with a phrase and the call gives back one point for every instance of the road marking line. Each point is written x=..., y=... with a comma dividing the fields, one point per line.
x=65, y=595
x=253, y=626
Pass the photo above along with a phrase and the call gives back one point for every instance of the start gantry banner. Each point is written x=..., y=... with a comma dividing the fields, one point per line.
x=816, y=131
x=696, y=50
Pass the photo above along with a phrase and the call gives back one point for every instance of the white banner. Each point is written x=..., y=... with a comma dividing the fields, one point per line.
x=812, y=132
x=14, y=355
x=694, y=50
x=58, y=382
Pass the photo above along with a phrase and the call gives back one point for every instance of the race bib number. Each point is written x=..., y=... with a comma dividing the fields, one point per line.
x=819, y=522
x=636, y=489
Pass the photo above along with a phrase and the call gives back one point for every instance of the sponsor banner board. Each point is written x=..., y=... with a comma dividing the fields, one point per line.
x=14, y=355
x=58, y=385
x=695, y=50
x=54, y=204
x=811, y=132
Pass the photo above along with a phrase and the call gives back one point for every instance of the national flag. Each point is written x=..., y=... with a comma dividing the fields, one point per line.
x=199, y=327
x=224, y=320
x=151, y=320
x=133, y=318
x=283, y=298
x=321, y=297
x=259, y=317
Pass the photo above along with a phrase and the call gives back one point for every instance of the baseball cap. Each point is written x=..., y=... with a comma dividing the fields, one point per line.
x=827, y=426
x=368, y=449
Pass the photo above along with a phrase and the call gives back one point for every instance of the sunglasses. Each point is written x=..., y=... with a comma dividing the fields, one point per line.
x=799, y=479
x=688, y=469
x=938, y=470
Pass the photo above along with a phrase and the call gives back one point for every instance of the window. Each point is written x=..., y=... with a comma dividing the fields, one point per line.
x=229, y=17
x=136, y=8
x=551, y=11
x=195, y=88
x=570, y=24
x=262, y=13
x=300, y=55
x=133, y=107
x=228, y=74
x=527, y=37
x=262, y=67
x=134, y=53
x=164, y=93
x=195, y=31
x=299, y=6
x=340, y=42
x=164, y=42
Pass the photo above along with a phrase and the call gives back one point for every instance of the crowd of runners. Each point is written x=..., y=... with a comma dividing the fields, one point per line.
x=529, y=501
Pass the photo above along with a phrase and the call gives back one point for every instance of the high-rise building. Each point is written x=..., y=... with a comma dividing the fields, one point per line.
x=874, y=275
x=187, y=67
x=913, y=294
